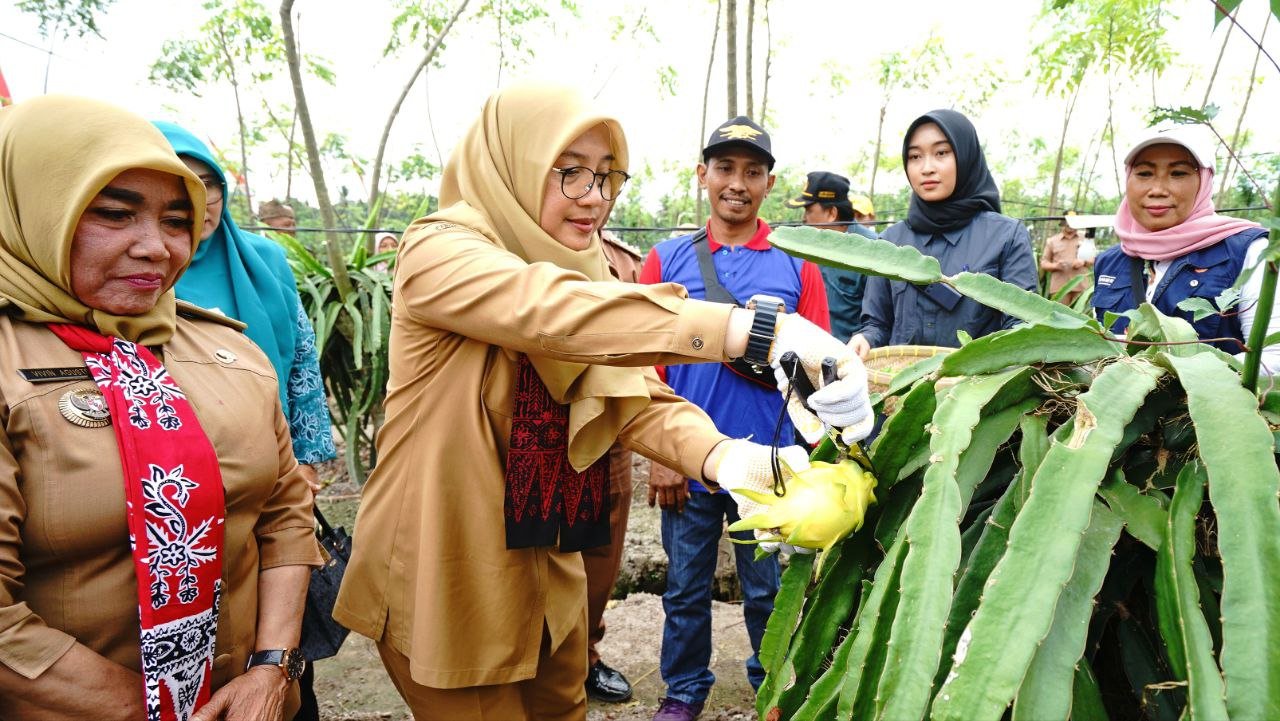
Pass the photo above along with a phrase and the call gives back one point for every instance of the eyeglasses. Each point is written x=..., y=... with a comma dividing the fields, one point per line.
x=212, y=189
x=577, y=181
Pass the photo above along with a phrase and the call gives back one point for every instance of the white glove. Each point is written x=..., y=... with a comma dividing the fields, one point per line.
x=844, y=404
x=748, y=465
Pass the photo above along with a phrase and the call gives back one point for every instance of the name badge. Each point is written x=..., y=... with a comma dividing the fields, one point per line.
x=54, y=375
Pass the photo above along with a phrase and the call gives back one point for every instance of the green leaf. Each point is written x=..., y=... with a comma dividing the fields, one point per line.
x=1143, y=514
x=870, y=256
x=990, y=547
x=1022, y=592
x=902, y=432
x=1236, y=447
x=1199, y=308
x=933, y=537
x=1186, y=634
x=1086, y=698
x=1021, y=304
x=871, y=636
x=782, y=621
x=1222, y=8
x=1047, y=688
x=1025, y=345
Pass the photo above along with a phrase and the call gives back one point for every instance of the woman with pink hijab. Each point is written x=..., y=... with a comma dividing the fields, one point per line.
x=1173, y=246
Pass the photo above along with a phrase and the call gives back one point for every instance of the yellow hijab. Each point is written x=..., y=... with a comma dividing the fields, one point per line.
x=56, y=154
x=494, y=185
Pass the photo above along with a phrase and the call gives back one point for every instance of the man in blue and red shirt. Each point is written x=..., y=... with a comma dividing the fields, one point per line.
x=737, y=174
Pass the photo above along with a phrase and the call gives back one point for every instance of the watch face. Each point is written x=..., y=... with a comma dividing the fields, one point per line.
x=294, y=664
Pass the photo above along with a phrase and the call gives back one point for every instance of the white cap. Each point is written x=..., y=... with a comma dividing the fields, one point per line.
x=1197, y=139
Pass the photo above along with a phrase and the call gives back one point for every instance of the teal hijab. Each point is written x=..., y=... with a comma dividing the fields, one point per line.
x=245, y=276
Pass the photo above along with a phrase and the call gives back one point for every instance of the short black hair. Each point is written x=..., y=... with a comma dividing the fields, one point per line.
x=844, y=210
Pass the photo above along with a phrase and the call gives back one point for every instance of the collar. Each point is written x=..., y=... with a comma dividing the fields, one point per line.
x=759, y=241
x=951, y=236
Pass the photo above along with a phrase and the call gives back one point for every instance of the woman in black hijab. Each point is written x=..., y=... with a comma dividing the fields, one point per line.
x=955, y=217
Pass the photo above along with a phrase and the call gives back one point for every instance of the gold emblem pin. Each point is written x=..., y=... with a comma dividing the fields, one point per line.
x=224, y=356
x=85, y=407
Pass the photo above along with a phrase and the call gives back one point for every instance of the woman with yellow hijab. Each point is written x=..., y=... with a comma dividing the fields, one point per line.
x=155, y=535
x=516, y=362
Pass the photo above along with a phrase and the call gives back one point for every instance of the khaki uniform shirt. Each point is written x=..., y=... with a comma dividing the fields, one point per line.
x=66, y=572
x=1058, y=249
x=430, y=573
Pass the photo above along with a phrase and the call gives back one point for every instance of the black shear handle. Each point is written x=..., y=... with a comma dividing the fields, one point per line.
x=800, y=382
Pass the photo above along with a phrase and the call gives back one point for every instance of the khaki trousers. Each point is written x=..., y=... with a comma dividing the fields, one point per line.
x=602, y=563
x=556, y=693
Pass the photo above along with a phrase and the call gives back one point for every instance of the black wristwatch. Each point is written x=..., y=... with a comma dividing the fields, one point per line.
x=290, y=661
x=764, y=327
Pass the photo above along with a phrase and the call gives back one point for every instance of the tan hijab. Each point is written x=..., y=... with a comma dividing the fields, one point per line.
x=494, y=185
x=56, y=154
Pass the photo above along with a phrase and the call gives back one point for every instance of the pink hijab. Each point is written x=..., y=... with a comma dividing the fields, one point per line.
x=1201, y=229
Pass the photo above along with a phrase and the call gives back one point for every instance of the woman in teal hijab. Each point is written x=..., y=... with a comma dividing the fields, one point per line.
x=246, y=277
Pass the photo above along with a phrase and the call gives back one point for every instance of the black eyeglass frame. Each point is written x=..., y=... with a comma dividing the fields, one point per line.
x=599, y=180
x=211, y=186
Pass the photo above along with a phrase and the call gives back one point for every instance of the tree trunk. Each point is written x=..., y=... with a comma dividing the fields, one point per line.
x=751, y=23
x=706, y=95
x=1244, y=107
x=375, y=191
x=875, y=159
x=1221, y=51
x=502, y=50
x=244, y=152
x=1062, y=146
x=288, y=179
x=337, y=261
x=768, y=63
x=731, y=54
x=1077, y=202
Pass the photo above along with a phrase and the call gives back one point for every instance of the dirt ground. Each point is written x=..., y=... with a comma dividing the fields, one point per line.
x=353, y=686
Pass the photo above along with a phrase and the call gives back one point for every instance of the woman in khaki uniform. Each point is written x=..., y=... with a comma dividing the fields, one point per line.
x=101, y=371
x=501, y=410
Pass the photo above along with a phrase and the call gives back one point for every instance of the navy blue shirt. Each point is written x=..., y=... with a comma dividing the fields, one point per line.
x=740, y=408
x=895, y=312
x=844, y=293
x=1203, y=273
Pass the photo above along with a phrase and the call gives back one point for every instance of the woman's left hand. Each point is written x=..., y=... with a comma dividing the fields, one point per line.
x=843, y=403
x=255, y=695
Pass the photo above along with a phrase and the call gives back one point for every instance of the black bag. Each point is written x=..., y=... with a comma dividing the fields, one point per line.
x=321, y=635
x=717, y=293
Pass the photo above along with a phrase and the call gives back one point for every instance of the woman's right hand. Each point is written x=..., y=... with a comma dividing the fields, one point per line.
x=858, y=344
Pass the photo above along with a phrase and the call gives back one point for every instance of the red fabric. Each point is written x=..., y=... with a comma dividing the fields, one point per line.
x=650, y=273
x=813, y=296
x=546, y=499
x=176, y=511
x=5, y=97
x=759, y=241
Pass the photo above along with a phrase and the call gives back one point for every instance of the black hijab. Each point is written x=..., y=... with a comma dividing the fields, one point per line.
x=975, y=191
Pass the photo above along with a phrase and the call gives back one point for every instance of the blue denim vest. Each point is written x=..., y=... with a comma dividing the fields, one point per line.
x=1200, y=274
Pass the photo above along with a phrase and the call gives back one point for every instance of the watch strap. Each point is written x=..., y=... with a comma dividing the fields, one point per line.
x=763, y=330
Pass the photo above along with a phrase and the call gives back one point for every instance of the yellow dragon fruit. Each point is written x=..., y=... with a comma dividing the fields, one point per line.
x=822, y=504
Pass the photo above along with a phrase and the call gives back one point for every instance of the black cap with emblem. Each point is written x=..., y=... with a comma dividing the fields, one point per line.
x=822, y=187
x=739, y=132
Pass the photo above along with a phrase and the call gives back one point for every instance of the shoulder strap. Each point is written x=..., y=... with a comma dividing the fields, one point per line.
x=716, y=292
x=195, y=312
x=1137, y=281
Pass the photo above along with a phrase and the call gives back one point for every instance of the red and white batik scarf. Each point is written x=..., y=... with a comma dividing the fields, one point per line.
x=175, y=508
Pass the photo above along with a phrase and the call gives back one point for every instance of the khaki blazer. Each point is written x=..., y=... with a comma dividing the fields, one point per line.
x=66, y=572
x=430, y=571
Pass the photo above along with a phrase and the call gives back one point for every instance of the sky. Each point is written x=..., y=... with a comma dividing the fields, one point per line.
x=823, y=94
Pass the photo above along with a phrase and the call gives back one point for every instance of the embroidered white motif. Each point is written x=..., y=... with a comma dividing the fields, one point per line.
x=141, y=386
x=172, y=548
x=1106, y=279
x=180, y=654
